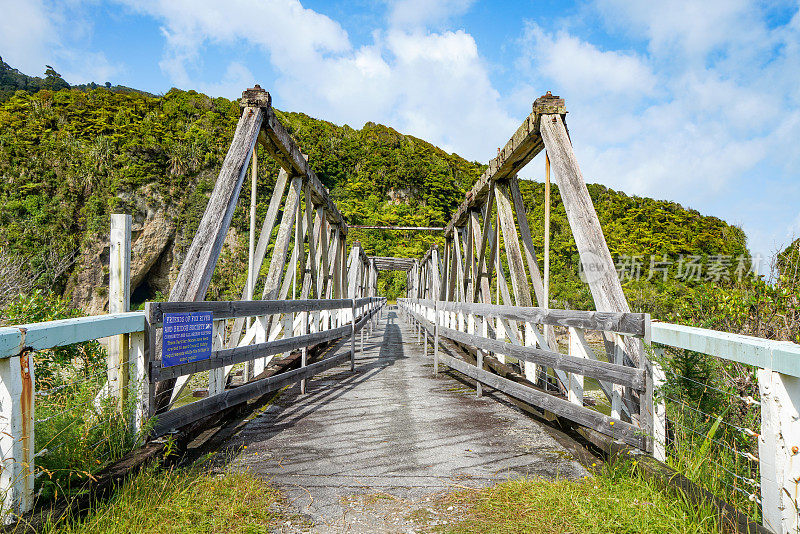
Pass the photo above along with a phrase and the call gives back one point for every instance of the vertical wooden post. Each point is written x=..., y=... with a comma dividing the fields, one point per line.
x=577, y=347
x=361, y=311
x=436, y=339
x=251, y=275
x=546, y=282
x=617, y=390
x=119, y=301
x=478, y=385
x=658, y=407
x=17, y=467
x=779, y=460
x=304, y=316
x=353, y=335
x=531, y=372
x=141, y=381
x=260, y=324
x=216, y=377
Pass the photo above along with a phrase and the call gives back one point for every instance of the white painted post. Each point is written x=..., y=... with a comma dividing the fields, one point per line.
x=216, y=377
x=659, y=409
x=361, y=311
x=259, y=364
x=616, y=395
x=779, y=450
x=530, y=341
x=288, y=322
x=16, y=434
x=353, y=336
x=304, y=316
x=141, y=383
x=576, y=348
x=436, y=339
x=425, y=315
x=119, y=301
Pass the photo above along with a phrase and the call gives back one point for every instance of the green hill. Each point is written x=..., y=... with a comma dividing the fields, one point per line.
x=69, y=158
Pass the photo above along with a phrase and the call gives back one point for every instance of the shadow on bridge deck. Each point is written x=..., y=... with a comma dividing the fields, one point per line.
x=391, y=428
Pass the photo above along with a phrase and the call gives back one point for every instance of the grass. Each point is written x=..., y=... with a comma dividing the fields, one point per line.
x=615, y=501
x=182, y=500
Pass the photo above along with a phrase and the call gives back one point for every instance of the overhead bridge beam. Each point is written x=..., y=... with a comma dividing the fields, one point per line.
x=412, y=228
x=383, y=263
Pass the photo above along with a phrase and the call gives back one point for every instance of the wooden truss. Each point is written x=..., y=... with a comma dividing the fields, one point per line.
x=492, y=223
x=309, y=257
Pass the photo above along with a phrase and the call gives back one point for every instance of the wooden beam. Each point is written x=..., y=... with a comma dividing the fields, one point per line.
x=518, y=151
x=194, y=276
x=598, y=266
x=519, y=280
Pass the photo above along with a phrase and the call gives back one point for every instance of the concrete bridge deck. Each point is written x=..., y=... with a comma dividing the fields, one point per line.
x=391, y=429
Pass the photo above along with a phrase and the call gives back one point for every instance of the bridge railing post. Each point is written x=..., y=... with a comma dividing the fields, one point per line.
x=16, y=436
x=119, y=301
x=353, y=335
x=436, y=339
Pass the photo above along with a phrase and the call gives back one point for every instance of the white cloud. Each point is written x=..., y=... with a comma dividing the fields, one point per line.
x=430, y=84
x=26, y=35
x=584, y=69
x=710, y=107
x=35, y=33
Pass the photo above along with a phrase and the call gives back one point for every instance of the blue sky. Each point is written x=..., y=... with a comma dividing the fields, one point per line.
x=696, y=102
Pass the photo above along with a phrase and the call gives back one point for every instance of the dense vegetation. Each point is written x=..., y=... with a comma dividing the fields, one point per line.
x=12, y=80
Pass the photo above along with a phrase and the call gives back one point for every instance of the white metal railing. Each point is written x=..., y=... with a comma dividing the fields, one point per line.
x=778, y=373
x=19, y=343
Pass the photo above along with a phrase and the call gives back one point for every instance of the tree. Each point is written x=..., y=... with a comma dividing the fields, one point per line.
x=53, y=80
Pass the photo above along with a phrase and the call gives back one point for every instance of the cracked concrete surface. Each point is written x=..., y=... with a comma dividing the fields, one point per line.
x=360, y=451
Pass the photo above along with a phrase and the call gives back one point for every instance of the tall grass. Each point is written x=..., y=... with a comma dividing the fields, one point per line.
x=189, y=500
x=78, y=430
x=614, y=500
x=712, y=429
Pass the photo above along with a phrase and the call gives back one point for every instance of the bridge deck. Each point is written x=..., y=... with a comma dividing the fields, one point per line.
x=392, y=428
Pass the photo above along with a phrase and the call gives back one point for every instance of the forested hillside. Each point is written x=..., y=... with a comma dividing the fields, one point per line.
x=70, y=157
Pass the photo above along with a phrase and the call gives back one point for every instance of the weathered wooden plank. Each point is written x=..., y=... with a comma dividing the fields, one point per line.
x=247, y=308
x=587, y=417
x=617, y=374
x=518, y=151
x=527, y=241
x=483, y=235
x=278, y=261
x=41, y=336
x=598, y=266
x=179, y=417
x=261, y=247
x=519, y=280
x=480, y=280
x=634, y=324
x=198, y=266
x=313, y=239
x=287, y=152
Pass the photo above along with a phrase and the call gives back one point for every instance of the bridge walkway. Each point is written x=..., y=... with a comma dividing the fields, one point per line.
x=391, y=429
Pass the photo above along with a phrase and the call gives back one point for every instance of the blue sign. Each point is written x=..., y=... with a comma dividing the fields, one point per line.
x=187, y=337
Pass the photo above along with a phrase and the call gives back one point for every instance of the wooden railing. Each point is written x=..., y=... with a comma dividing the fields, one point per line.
x=302, y=323
x=316, y=322
x=517, y=335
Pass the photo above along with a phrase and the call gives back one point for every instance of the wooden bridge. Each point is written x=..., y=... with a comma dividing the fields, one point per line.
x=477, y=311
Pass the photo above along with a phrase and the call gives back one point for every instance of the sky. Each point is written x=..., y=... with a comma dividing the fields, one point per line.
x=694, y=102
